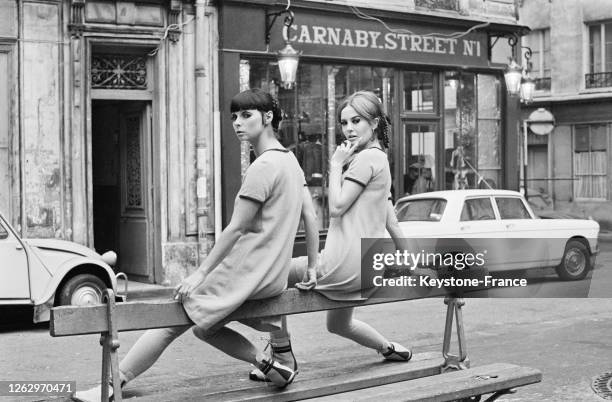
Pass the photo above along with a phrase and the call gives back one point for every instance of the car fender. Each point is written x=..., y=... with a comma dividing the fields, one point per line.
x=591, y=246
x=85, y=264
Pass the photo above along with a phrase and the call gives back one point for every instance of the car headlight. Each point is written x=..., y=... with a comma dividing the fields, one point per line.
x=110, y=257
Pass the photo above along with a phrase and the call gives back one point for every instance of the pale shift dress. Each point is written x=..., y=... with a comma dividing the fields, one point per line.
x=257, y=266
x=367, y=217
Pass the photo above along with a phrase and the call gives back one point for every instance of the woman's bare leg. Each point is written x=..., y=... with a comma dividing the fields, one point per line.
x=341, y=322
x=147, y=349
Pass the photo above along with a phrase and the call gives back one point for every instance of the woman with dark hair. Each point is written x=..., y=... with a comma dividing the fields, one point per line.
x=360, y=207
x=251, y=256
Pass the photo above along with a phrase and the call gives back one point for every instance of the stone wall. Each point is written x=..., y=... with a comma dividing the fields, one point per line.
x=41, y=116
x=9, y=183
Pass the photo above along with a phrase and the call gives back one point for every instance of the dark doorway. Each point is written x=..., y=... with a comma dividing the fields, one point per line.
x=121, y=175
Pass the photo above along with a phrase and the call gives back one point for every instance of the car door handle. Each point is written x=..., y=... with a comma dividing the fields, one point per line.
x=464, y=227
x=510, y=226
x=19, y=247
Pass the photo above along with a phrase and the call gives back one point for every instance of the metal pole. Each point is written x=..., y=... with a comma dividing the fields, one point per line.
x=525, y=127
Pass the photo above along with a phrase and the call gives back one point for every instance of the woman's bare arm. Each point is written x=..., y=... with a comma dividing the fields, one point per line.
x=341, y=196
x=244, y=213
x=312, y=242
x=394, y=229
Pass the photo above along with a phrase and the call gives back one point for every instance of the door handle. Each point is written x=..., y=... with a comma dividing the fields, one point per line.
x=19, y=247
x=509, y=225
x=464, y=227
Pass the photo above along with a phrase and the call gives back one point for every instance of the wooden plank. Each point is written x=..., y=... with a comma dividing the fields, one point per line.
x=352, y=377
x=71, y=320
x=293, y=301
x=448, y=386
x=337, y=362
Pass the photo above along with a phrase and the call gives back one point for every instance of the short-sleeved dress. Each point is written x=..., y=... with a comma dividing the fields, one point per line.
x=257, y=266
x=367, y=217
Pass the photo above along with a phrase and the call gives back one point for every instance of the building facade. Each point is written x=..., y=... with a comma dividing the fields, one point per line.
x=436, y=66
x=107, y=109
x=571, y=43
x=114, y=121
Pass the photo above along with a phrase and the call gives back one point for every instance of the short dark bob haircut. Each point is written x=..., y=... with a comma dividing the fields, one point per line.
x=257, y=99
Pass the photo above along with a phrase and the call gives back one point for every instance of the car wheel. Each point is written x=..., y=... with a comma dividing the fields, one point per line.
x=575, y=263
x=82, y=290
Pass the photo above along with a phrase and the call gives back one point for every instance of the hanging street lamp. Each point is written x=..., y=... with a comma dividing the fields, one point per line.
x=288, y=58
x=513, y=76
x=527, y=88
x=518, y=80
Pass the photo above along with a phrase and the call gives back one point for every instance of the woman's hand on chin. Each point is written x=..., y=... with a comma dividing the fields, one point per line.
x=343, y=152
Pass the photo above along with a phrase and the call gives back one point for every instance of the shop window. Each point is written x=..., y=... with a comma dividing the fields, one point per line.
x=460, y=131
x=539, y=43
x=309, y=127
x=419, y=157
x=590, y=161
x=472, y=131
x=419, y=93
x=489, y=143
x=600, y=56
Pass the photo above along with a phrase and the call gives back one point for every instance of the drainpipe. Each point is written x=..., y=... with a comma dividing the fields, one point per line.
x=204, y=128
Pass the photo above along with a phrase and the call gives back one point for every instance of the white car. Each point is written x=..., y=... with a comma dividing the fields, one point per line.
x=569, y=245
x=47, y=272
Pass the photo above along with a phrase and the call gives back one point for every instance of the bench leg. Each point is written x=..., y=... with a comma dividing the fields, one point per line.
x=460, y=361
x=499, y=394
x=110, y=359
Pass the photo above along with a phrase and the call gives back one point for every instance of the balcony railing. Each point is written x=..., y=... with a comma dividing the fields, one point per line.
x=542, y=84
x=598, y=80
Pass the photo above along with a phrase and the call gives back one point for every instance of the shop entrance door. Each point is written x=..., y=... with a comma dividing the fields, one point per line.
x=418, y=157
x=121, y=150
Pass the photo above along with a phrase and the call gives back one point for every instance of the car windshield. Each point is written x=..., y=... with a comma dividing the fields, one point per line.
x=428, y=209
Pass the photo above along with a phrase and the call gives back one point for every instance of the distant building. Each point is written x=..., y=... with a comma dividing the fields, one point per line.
x=571, y=41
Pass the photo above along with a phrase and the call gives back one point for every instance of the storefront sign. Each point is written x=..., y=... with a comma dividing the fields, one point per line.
x=358, y=38
x=335, y=35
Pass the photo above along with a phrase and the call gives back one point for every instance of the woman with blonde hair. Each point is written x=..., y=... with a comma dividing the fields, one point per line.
x=360, y=206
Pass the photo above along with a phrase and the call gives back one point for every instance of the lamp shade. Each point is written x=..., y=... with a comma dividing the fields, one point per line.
x=527, y=89
x=288, y=59
x=513, y=77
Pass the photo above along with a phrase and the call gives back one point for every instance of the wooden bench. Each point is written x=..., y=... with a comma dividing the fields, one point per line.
x=437, y=378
